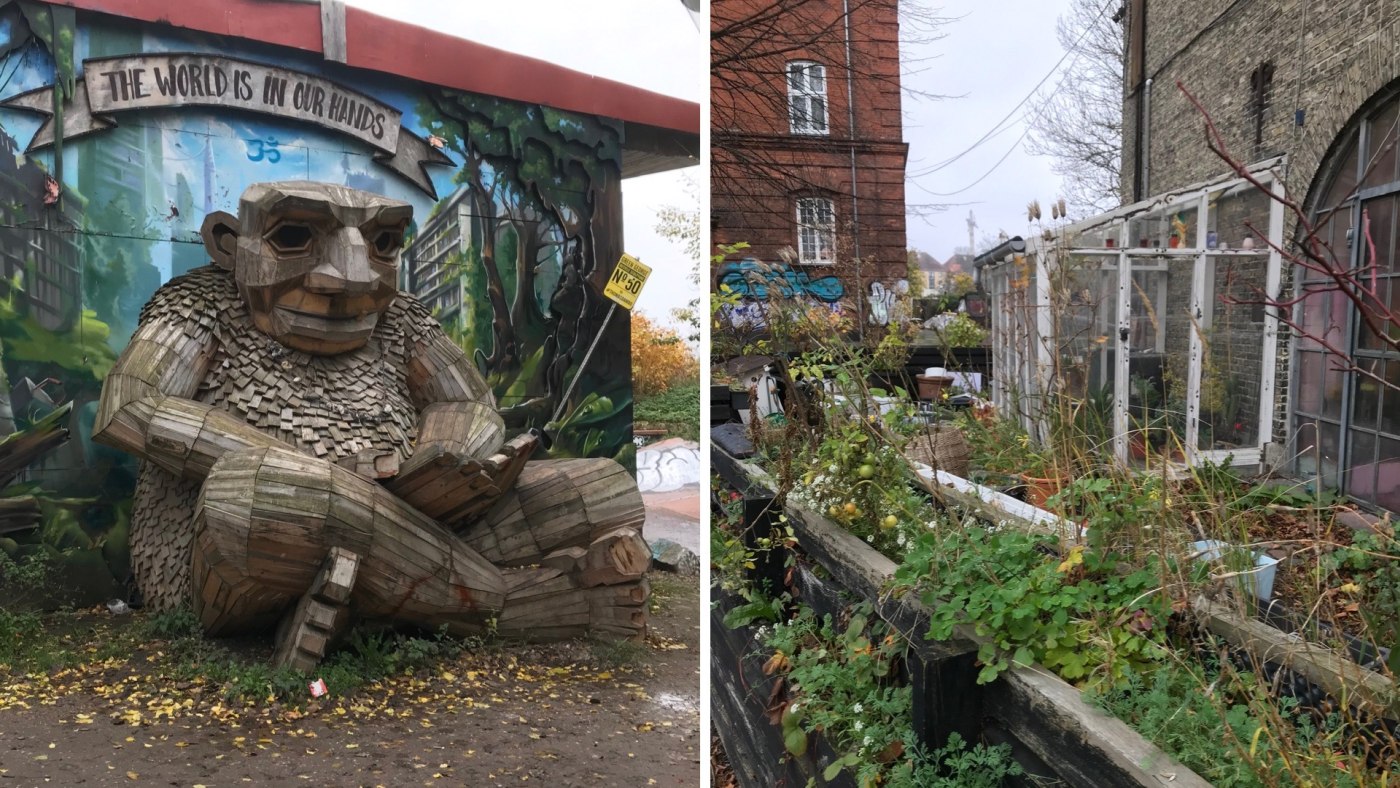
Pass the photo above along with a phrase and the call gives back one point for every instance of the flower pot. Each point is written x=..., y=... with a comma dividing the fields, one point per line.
x=931, y=388
x=1040, y=489
x=1137, y=447
x=1258, y=582
x=1004, y=483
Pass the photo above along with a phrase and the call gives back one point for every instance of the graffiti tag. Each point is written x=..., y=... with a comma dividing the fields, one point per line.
x=751, y=278
x=883, y=299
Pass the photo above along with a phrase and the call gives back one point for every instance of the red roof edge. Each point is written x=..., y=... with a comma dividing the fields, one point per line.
x=393, y=47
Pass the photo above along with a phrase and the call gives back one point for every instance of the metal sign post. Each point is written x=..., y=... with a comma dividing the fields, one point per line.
x=623, y=287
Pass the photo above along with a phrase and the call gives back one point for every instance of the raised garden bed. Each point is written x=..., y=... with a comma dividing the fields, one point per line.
x=1050, y=716
x=1053, y=732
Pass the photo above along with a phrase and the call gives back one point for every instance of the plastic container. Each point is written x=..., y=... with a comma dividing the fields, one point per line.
x=1259, y=581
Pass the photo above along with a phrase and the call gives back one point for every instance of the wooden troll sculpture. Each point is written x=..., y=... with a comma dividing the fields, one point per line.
x=314, y=447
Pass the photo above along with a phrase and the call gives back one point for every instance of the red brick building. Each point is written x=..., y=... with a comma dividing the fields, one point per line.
x=801, y=172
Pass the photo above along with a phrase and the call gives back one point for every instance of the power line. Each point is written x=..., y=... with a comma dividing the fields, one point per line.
x=1071, y=52
x=1024, y=133
x=986, y=174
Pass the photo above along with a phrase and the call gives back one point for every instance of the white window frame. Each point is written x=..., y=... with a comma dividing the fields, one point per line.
x=816, y=231
x=806, y=85
x=1025, y=330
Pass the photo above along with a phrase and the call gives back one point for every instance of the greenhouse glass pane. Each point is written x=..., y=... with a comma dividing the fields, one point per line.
x=1159, y=351
x=1232, y=353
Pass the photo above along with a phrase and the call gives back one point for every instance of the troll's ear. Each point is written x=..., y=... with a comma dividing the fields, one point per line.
x=220, y=233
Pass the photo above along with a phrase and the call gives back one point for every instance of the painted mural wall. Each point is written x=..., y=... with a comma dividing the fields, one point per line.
x=756, y=282
x=517, y=222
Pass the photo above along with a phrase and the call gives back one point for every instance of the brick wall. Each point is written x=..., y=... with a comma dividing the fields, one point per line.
x=759, y=168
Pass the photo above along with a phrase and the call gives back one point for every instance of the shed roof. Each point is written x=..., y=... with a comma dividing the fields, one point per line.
x=662, y=132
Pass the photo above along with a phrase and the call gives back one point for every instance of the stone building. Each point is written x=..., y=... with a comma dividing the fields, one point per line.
x=1317, y=84
x=807, y=150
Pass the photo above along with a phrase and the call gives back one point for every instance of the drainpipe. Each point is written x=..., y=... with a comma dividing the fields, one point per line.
x=1135, y=69
x=855, y=190
x=1146, y=156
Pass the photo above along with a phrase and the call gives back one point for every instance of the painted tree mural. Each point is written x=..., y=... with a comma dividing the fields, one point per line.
x=545, y=210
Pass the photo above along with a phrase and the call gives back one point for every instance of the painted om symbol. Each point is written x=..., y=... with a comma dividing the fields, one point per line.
x=259, y=150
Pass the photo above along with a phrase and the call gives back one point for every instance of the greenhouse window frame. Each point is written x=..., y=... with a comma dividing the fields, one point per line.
x=1027, y=363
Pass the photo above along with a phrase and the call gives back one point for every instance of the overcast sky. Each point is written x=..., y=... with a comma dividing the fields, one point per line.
x=653, y=44
x=990, y=58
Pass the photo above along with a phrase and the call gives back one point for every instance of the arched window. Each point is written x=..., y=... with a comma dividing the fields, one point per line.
x=806, y=84
x=1346, y=418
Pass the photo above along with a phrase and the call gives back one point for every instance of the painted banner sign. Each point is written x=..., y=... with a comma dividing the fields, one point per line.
x=163, y=80
x=175, y=80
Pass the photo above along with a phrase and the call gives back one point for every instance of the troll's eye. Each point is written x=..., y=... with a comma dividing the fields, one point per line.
x=289, y=238
x=386, y=243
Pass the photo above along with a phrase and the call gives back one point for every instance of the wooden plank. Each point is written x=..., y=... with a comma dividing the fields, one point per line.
x=739, y=693
x=858, y=567
x=1341, y=677
x=997, y=507
x=1083, y=744
x=946, y=698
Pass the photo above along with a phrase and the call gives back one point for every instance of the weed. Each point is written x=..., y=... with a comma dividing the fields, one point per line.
x=1090, y=617
x=172, y=624
x=840, y=682
x=616, y=654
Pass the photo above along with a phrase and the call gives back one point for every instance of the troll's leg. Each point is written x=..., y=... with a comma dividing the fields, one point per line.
x=267, y=521
x=572, y=531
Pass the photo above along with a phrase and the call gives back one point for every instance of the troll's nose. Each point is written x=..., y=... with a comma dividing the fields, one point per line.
x=344, y=266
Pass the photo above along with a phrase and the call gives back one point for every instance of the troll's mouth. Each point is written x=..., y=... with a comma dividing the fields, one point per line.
x=322, y=326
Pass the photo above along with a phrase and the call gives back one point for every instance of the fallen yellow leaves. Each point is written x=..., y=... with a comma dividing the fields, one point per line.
x=151, y=690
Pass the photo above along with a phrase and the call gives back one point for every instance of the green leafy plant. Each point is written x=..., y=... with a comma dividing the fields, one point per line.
x=962, y=331
x=1227, y=728
x=857, y=477
x=1373, y=558
x=840, y=682
x=171, y=624
x=22, y=636
x=677, y=410
x=1087, y=616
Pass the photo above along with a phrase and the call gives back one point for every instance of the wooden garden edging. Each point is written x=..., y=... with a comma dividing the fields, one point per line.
x=1339, y=676
x=997, y=507
x=1046, y=721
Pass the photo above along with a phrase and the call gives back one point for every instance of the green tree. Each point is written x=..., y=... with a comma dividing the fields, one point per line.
x=682, y=227
x=918, y=278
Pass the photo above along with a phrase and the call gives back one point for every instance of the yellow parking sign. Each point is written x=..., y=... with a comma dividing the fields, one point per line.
x=626, y=281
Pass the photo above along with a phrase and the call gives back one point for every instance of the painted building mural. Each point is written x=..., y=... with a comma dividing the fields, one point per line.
x=119, y=140
x=755, y=281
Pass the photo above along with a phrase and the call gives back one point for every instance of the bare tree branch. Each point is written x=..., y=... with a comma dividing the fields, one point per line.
x=1311, y=254
x=1079, y=122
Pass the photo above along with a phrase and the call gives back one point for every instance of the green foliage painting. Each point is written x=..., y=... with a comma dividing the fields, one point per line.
x=543, y=223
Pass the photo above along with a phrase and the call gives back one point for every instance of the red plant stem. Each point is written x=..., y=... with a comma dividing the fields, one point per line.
x=1378, y=318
